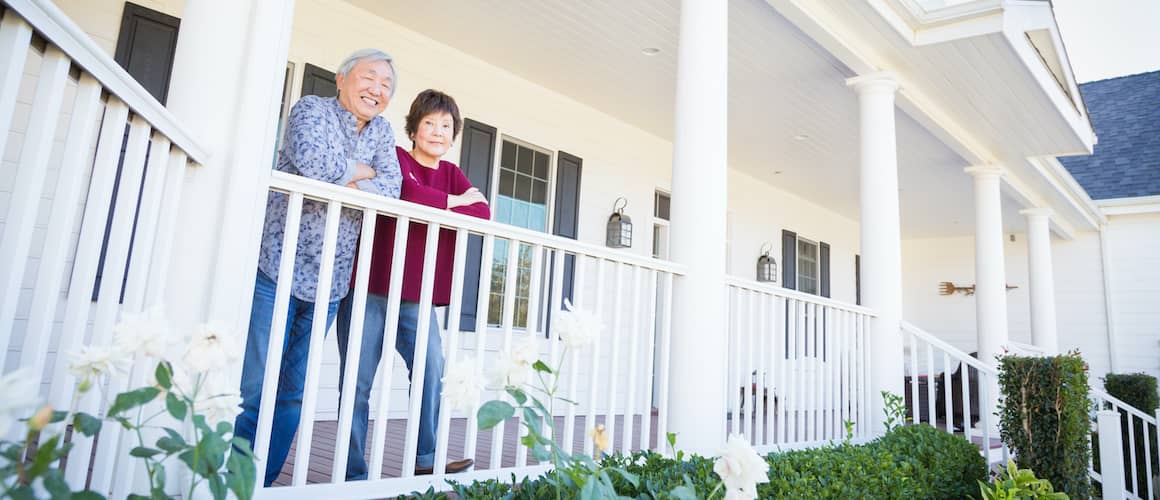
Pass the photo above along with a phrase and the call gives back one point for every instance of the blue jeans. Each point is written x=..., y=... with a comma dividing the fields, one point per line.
x=291, y=377
x=369, y=356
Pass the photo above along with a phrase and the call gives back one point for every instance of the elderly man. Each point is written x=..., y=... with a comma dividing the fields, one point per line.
x=343, y=141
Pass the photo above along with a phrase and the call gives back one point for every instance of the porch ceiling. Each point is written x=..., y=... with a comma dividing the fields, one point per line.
x=792, y=121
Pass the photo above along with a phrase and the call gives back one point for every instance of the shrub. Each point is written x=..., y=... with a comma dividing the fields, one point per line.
x=910, y=462
x=1139, y=391
x=1018, y=484
x=1043, y=418
x=943, y=464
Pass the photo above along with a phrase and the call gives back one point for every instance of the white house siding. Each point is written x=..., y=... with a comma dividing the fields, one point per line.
x=1078, y=291
x=619, y=159
x=1134, y=254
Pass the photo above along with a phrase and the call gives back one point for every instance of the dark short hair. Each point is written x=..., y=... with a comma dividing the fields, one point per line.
x=433, y=101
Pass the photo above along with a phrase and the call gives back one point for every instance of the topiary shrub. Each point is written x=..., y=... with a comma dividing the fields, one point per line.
x=1043, y=418
x=945, y=465
x=1139, y=391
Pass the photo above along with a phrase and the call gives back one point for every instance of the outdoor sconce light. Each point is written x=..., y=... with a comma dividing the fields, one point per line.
x=766, y=266
x=619, y=233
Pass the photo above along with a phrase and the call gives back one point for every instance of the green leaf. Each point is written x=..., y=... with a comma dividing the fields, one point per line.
x=45, y=456
x=628, y=476
x=133, y=399
x=87, y=495
x=86, y=424
x=241, y=471
x=541, y=367
x=589, y=491
x=517, y=394
x=134, y=496
x=58, y=416
x=224, y=428
x=175, y=405
x=217, y=486
x=164, y=375
x=55, y=484
x=143, y=452
x=494, y=412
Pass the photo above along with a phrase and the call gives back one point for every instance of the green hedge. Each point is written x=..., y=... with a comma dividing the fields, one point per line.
x=1139, y=391
x=1043, y=418
x=911, y=462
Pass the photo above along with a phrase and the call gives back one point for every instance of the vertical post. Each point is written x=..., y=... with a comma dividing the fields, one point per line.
x=238, y=62
x=881, y=239
x=1039, y=266
x=700, y=169
x=990, y=277
x=1111, y=454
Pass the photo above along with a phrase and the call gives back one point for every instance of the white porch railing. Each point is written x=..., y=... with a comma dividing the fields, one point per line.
x=968, y=412
x=1112, y=457
x=611, y=380
x=798, y=367
x=122, y=160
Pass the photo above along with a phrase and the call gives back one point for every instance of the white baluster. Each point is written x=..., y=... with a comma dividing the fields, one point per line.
x=350, y=372
x=386, y=372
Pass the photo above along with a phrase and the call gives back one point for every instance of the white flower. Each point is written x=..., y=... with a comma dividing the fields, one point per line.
x=20, y=392
x=91, y=362
x=211, y=348
x=576, y=327
x=740, y=468
x=460, y=385
x=515, y=367
x=145, y=333
x=216, y=399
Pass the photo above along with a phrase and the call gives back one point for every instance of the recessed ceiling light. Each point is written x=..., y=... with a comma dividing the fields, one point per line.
x=777, y=172
x=800, y=137
x=650, y=51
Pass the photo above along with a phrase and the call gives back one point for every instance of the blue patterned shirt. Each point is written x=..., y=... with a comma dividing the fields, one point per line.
x=322, y=142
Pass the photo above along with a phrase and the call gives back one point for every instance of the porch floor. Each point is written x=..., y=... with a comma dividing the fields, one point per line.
x=325, y=438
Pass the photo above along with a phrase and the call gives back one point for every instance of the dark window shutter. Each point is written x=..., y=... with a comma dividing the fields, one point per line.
x=476, y=160
x=319, y=82
x=789, y=259
x=824, y=269
x=567, y=207
x=145, y=47
x=858, y=279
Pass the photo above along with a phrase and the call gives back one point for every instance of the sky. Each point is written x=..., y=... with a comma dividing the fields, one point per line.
x=1109, y=38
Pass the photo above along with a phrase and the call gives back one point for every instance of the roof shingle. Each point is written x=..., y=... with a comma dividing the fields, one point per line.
x=1125, y=112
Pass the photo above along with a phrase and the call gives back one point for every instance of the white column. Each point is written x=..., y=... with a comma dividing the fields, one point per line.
x=226, y=88
x=990, y=276
x=1042, y=283
x=881, y=234
x=700, y=167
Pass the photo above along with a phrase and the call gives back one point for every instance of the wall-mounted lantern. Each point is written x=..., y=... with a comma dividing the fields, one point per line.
x=766, y=266
x=619, y=233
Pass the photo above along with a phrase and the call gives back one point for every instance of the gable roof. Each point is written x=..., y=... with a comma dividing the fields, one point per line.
x=1125, y=112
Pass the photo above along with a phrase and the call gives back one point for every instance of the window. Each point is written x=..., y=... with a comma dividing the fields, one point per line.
x=521, y=200
x=807, y=266
x=660, y=241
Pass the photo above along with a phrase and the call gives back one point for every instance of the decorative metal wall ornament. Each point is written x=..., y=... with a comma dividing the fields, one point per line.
x=948, y=288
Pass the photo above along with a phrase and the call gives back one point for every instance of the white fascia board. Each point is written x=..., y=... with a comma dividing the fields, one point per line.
x=1021, y=17
x=1062, y=180
x=922, y=27
x=1025, y=195
x=1129, y=206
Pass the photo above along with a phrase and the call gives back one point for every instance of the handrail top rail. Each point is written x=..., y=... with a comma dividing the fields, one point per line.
x=1120, y=404
x=56, y=27
x=978, y=364
x=353, y=198
x=780, y=291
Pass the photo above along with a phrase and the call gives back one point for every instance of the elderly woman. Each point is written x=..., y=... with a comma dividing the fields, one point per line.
x=432, y=125
x=344, y=141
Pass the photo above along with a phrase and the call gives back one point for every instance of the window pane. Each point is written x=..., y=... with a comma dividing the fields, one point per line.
x=523, y=188
x=541, y=169
x=524, y=160
x=661, y=206
x=507, y=182
x=508, y=158
x=540, y=192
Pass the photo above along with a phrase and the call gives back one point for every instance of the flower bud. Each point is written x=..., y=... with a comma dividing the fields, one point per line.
x=40, y=419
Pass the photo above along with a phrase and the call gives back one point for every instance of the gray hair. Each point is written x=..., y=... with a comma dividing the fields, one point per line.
x=372, y=55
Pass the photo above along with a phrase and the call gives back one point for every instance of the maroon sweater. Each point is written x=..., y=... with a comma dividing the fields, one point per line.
x=427, y=186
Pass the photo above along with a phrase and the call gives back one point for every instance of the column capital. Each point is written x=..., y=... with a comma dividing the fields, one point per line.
x=1037, y=212
x=878, y=81
x=984, y=171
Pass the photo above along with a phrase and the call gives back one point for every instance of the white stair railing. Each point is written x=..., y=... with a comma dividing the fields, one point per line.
x=122, y=161
x=612, y=380
x=798, y=367
x=1141, y=431
x=929, y=359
